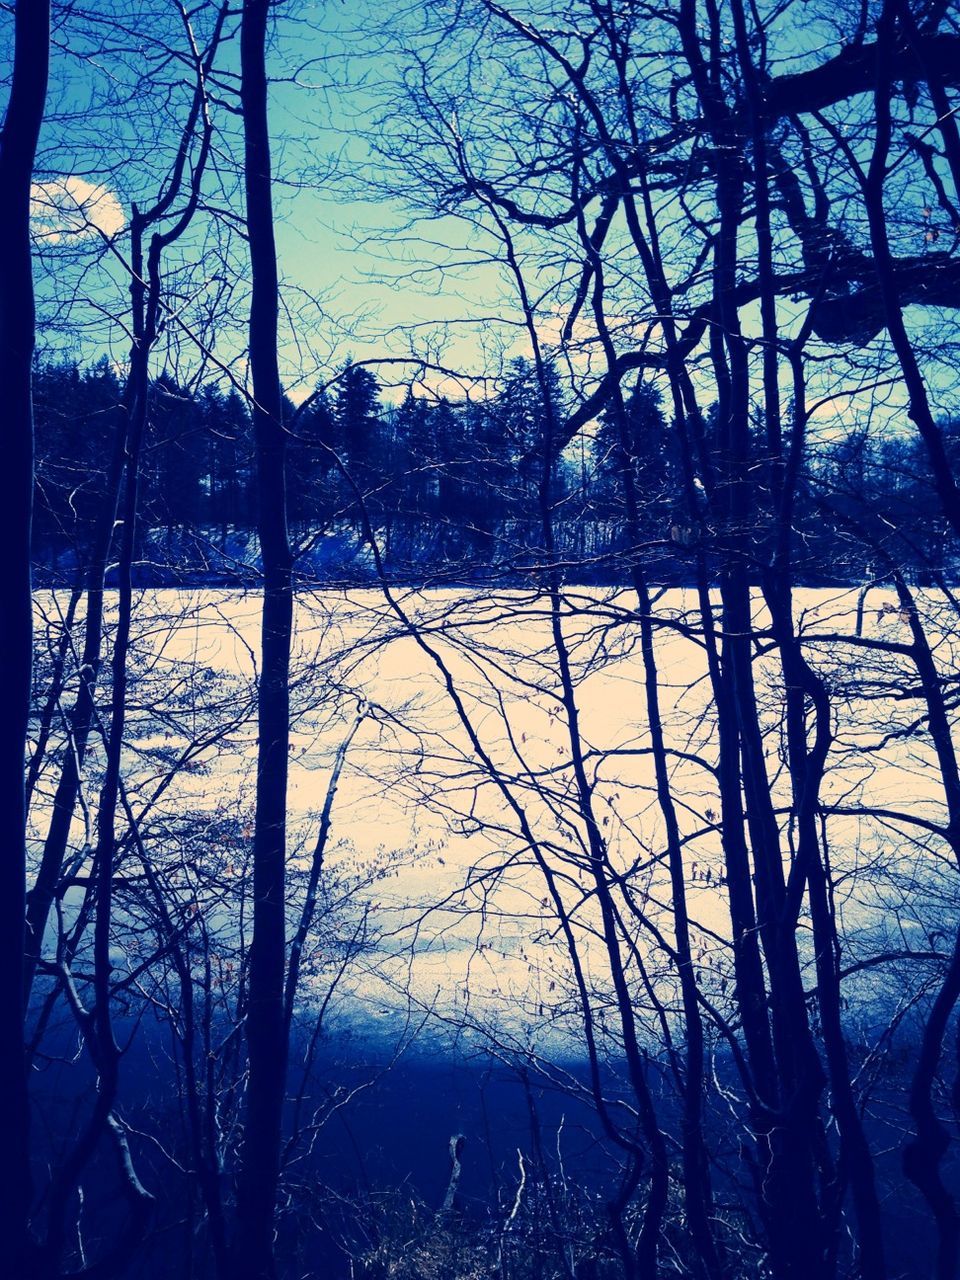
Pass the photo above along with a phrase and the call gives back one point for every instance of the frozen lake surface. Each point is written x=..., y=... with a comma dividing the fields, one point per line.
x=450, y=703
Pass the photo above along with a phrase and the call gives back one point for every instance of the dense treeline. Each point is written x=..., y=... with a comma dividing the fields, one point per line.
x=448, y=486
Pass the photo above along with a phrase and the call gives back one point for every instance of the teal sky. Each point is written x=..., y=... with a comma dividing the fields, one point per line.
x=361, y=280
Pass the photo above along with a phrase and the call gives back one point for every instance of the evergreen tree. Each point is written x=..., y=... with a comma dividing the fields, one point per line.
x=356, y=411
x=228, y=480
x=74, y=412
x=419, y=456
x=178, y=465
x=644, y=444
x=313, y=482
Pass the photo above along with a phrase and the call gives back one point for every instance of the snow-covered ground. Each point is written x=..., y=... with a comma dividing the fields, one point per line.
x=461, y=726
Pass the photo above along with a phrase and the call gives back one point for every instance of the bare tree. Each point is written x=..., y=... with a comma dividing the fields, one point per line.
x=18, y=145
x=266, y=1027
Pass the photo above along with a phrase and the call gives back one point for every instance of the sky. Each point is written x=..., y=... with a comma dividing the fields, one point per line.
x=363, y=280
x=345, y=259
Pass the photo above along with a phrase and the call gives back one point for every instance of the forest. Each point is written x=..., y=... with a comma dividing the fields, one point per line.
x=449, y=488
x=480, y=767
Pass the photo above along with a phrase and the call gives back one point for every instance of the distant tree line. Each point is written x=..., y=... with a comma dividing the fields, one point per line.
x=448, y=488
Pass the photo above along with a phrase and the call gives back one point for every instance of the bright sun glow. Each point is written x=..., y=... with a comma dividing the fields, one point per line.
x=73, y=206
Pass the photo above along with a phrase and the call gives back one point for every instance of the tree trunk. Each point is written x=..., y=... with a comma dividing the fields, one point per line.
x=18, y=145
x=266, y=1030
